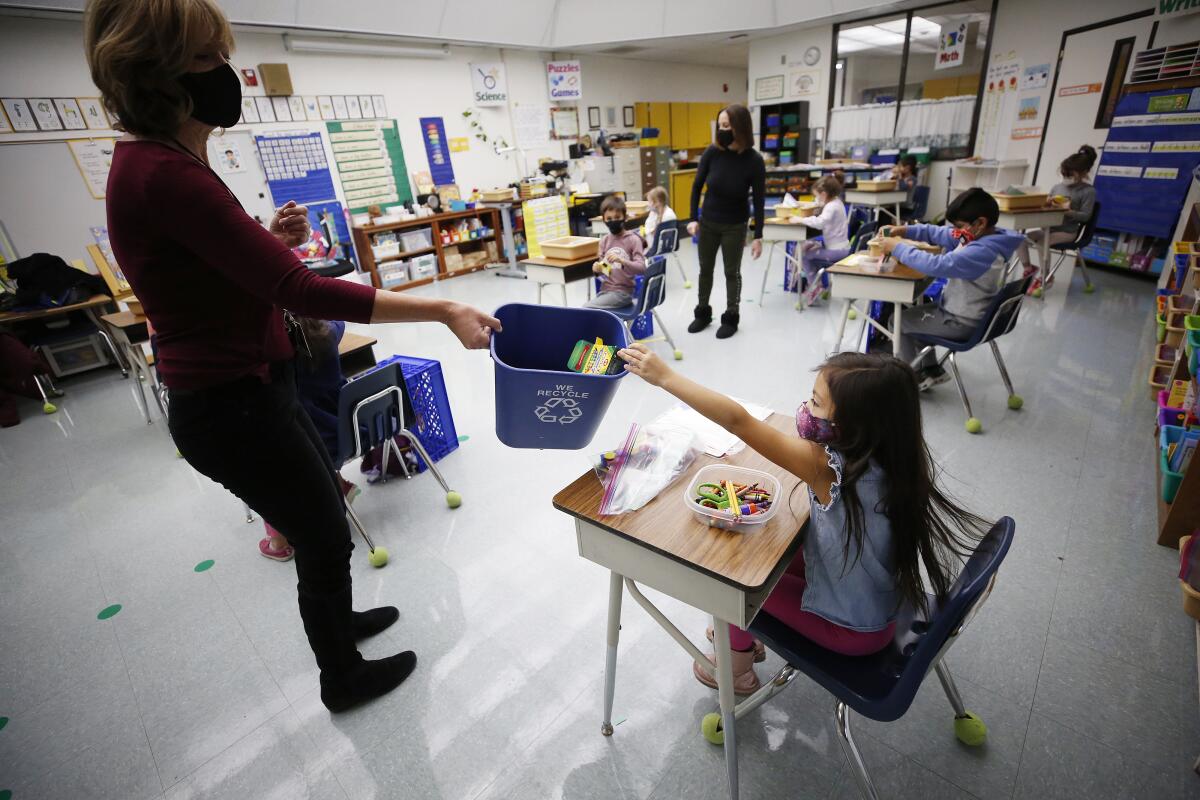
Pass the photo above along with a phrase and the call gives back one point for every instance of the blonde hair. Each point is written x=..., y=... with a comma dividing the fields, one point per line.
x=138, y=49
x=657, y=194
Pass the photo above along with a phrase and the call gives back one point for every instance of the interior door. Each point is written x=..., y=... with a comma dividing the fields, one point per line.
x=1085, y=59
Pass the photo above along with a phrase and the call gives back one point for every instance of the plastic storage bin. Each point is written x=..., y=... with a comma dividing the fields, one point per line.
x=420, y=239
x=433, y=423
x=717, y=518
x=539, y=402
x=1167, y=435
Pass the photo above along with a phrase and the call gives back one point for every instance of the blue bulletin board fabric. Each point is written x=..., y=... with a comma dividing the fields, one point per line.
x=1147, y=164
x=296, y=167
x=437, y=148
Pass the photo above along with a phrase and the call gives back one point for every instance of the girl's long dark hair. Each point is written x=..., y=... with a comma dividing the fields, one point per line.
x=877, y=411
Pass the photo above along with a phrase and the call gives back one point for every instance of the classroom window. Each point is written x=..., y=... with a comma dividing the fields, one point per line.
x=870, y=55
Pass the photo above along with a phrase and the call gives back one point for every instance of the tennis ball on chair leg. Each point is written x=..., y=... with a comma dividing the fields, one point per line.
x=453, y=499
x=48, y=407
x=378, y=557
x=974, y=425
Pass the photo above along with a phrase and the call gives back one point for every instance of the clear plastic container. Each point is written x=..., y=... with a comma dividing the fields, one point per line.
x=717, y=518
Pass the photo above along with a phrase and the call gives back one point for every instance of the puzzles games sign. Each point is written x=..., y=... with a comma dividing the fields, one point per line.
x=565, y=79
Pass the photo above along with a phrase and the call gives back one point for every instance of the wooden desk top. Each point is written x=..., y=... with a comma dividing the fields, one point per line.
x=353, y=342
x=1017, y=212
x=124, y=319
x=95, y=301
x=901, y=273
x=561, y=263
x=666, y=526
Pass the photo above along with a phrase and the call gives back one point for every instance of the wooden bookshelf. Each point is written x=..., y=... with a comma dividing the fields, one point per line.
x=364, y=236
x=1181, y=517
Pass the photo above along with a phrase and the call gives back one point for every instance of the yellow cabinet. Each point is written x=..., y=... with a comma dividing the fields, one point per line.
x=660, y=117
x=641, y=115
x=680, y=126
x=681, y=192
x=700, y=119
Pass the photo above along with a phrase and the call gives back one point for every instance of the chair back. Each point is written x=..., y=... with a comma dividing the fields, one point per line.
x=864, y=234
x=650, y=290
x=1006, y=306
x=857, y=218
x=666, y=239
x=372, y=408
x=1084, y=237
x=920, y=202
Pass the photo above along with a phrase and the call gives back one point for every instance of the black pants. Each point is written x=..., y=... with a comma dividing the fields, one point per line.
x=730, y=239
x=256, y=441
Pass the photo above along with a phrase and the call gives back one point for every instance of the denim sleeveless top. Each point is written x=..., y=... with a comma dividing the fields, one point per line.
x=860, y=595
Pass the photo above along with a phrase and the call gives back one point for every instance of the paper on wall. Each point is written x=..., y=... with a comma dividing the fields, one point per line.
x=531, y=126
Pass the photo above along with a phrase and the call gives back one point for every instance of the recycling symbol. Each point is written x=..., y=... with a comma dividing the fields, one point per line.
x=562, y=410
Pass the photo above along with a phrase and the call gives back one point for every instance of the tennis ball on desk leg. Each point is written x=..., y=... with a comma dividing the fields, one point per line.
x=453, y=499
x=378, y=557
x=852, y=314
x=48, y=407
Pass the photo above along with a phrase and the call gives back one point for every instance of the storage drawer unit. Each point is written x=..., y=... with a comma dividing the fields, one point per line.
x=655, y=168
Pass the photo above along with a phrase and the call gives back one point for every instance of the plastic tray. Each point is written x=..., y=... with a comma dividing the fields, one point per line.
x=1019, y=202
x=716, y=518
x=571, y=247
x=875, y=186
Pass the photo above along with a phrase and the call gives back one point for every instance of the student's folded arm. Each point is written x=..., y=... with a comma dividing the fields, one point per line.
x=966, y=262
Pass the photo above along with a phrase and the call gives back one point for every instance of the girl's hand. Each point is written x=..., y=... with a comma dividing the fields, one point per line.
x=472, y=327
x=692, y=228
x=598, y=268
x=756, y=248
x=290, y=224
x=641, y=361
x=889, y=244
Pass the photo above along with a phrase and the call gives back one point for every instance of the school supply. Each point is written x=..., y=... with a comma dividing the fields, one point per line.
x=594, y=358
x=648, y=461
x=733, y=498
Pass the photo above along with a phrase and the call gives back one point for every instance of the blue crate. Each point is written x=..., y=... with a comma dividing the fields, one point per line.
x=433, y=422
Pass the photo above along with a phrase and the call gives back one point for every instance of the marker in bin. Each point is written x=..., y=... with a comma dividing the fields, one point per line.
x=595, y=358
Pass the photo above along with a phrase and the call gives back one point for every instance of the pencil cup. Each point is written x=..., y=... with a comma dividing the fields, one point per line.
x=540, y=404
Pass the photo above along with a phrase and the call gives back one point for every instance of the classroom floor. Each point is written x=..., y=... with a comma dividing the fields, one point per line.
x=1082, y=663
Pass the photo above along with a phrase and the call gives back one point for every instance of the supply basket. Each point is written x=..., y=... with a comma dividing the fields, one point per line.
x=720, y=518
x=1168, y=434
x=540, y=403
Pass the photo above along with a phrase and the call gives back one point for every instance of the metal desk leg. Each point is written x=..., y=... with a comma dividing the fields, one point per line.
x=1044, y=266
x=564, y=294
x=615, y=592
x=837, y=346
x=766, y=273
x=728, y=702
x=540, y=287
x=112, y=347
x=897, y=308
x=896, y=215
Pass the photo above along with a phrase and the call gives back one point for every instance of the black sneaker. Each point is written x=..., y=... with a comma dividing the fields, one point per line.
x=927, y=379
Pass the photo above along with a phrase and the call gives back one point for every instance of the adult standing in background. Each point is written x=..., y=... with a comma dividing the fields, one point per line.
x=163, y=68
x=732, y=170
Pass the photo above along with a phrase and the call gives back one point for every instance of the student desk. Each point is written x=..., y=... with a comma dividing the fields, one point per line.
x=559, y=272
x=902, y=286
x=778, y=230
x=879, y=201
x=664, y=546
x=1024, y=220
x=356, y=353
x=129, y=330
x=88, y=308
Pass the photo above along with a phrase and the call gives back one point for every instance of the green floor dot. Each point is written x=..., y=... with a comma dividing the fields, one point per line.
x=111, y=611
x=463, y=438
x=3, y=722
x=205, y=564
x=5, y=794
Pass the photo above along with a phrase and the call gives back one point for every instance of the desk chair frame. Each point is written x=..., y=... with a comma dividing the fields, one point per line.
x=1075, y=250
x=666, y=244
x=649, y=292
x=797, y=266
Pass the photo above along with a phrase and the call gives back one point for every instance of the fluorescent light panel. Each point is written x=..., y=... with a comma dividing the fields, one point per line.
x=360, y=47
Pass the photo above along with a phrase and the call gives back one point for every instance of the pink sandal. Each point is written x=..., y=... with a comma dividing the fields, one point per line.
x=280, y=554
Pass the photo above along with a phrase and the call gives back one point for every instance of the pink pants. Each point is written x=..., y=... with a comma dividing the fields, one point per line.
x=784, y=605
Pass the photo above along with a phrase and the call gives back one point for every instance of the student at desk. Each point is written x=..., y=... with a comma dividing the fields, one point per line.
x=1082, y=198
x=877, y=514
x=834, y=228
x=621, y=258
x=975, y=255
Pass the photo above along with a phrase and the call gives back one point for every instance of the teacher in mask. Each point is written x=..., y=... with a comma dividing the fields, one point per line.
x=733, y=171
x=215, y=283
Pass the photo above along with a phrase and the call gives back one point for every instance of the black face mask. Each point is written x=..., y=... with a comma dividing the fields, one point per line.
x=724, y=137
x=216, y=95
x=615, y=226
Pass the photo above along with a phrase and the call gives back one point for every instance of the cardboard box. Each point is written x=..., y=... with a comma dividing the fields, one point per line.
x=276, y=79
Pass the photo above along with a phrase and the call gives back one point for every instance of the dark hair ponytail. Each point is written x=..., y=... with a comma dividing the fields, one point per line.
x=1081, y=161
x=877, y=410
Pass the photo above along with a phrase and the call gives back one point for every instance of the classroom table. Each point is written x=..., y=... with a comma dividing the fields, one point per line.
x=87, y=307
x=902, y=286
x=1024, y=220
x=879, y=201
x=664, y=546
x=356, y=353
x=559, y=272
x=780, y=230
x=129, y=330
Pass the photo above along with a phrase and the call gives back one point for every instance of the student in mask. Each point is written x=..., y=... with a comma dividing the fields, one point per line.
x=974, y=258
x=732, y=172
x=877, y=515
x=622, y=258
x=163, y=69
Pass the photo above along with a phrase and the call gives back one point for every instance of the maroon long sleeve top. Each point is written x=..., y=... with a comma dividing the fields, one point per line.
x=212, y=280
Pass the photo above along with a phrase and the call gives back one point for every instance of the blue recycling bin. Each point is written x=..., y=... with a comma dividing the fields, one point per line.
x=540, y=404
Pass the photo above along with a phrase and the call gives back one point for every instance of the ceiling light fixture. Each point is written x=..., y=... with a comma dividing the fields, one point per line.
x=359, y=47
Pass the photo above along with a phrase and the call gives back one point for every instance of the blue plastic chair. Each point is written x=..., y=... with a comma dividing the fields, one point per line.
x=1000, y=319
x=649, y=292
x=920, y=203
x=372, y=410
x=666, y=243
x=882, y=686
x=1075, y=249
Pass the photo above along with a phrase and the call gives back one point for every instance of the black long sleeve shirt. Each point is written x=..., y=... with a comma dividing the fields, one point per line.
x=731, y=178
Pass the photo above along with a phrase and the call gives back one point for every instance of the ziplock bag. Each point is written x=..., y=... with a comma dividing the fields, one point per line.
x=649, y=460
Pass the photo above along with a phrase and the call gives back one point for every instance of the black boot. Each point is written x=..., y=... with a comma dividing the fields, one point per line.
x=368, y=623
x=347, y=679
x=729, y=325
x=702, y=320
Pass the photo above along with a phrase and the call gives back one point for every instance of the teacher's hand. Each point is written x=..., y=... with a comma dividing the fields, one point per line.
x=472, y=327
x=692, y=228
x=756, y=248
x=290, y=224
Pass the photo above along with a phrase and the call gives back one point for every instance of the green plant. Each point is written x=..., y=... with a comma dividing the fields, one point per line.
x=477, y=129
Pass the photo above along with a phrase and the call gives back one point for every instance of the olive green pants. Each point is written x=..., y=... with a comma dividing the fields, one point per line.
x=731, y=239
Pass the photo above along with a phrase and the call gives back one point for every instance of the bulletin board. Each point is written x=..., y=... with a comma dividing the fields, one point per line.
x=545, y=218
x=295, y=166
x=370, y=163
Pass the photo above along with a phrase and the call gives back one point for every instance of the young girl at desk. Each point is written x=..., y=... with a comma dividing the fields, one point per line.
x=877, y=515
x=835, y=238
x=660, y=212
x=1081, y=195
